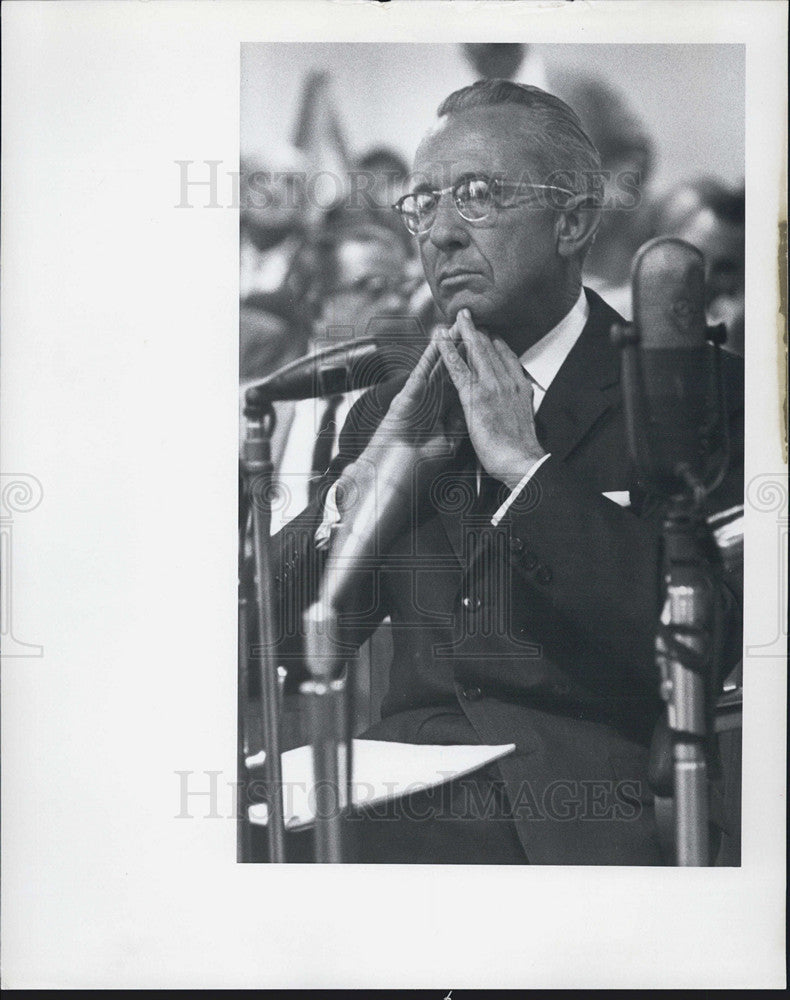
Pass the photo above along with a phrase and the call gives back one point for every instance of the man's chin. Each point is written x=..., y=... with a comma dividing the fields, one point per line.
x=478, y=310
x=453, y=303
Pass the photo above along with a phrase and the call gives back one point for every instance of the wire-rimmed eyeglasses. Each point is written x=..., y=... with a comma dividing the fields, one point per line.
x=473, y=197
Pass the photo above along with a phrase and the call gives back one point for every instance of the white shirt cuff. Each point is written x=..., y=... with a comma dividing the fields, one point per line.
x=506, y=505
x=331, y=519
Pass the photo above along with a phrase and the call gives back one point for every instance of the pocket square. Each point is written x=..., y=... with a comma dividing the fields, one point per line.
x=621, y=497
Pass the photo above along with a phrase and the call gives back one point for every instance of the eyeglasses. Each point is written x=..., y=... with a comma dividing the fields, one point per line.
x=474, y=199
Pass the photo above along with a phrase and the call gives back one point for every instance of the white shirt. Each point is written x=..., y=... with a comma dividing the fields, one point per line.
x=542, y=362
x=294, y=469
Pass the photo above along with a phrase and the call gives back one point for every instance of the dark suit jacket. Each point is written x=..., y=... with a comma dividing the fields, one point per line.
x=542, y=630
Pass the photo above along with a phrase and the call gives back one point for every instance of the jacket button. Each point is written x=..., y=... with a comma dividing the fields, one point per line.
x=530, y=560
x=544, y=574
x=471, y=603
x=473, y=693
x=516, y=545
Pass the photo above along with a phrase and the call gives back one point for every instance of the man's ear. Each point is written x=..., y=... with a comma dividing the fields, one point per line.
x=576, y=225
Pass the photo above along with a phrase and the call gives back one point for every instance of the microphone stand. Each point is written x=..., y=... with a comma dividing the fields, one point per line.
x=256, y=469
x=689, y=633
x=685, y=654
x=329, y=699
x=329, y=713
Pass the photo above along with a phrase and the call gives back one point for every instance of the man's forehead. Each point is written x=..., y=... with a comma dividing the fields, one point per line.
x=489, y=139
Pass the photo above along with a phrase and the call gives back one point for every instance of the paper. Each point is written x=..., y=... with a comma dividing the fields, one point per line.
x=381, y=771
x=621, y=497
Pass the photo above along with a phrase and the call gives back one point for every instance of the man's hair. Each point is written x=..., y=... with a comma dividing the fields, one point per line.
x=558, y=144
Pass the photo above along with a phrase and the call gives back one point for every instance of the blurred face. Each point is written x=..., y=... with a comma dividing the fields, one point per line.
x=722, y=245
x=502, y=268
x=270, y=198
x=370, y=282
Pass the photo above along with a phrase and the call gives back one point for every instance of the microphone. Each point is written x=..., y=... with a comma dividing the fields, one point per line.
x=673, y=391
x=382, y=496
x=350, y=364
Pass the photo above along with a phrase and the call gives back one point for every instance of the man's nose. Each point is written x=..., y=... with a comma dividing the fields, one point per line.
x=448, y=229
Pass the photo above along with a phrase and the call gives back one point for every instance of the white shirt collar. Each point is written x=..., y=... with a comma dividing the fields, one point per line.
x=543, y=360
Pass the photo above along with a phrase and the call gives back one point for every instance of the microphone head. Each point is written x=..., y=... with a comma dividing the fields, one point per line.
x=338, y=368
x=668, y=283
x=678, y=426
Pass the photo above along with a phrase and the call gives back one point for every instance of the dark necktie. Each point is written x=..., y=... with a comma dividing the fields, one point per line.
x=322, y=451
x=492, y=494
x=469, y=468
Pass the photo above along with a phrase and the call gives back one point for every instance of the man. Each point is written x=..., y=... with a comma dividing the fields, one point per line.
x=360, y=286
x=521, y=566
x=712, y=218
x=272, y=326
x=627, y=157
x=384, y=172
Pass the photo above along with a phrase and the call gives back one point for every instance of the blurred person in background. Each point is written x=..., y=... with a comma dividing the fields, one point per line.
x=712, y=217
x=272, y=327
x=626, y=160
x=503, y=61
x=362, y=284
x=380, y=174
x=285, y=193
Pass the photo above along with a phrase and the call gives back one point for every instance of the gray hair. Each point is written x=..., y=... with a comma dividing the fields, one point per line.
x=558, y=143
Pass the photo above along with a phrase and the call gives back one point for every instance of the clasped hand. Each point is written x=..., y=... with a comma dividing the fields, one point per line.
x=497, y=400
x=425, y=421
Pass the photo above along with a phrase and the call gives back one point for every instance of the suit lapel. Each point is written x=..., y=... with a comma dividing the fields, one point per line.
x=456, y=496
x=585, y=387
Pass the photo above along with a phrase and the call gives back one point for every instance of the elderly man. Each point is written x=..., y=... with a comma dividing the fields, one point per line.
x=522, y=578
x=713, y=218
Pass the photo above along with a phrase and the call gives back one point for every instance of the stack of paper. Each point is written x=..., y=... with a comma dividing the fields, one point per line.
x=381, y=771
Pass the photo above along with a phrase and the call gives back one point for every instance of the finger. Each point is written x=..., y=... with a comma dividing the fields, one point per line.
x=457, y=368
x=481, y=355
x=455, y=336
x=454, y=333
x=455, y=419
x=528, y=387
x=438, y=370
x=507, y=357
x=427, y=361
x=416, y=382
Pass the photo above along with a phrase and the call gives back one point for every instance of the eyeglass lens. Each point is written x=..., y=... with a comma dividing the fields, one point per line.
x=472, y=196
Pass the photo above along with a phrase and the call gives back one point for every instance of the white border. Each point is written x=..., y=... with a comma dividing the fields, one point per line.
x=119, y=388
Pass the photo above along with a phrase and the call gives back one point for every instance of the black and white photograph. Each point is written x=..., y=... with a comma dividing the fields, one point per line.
x=394, y=501
x=499, y=380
